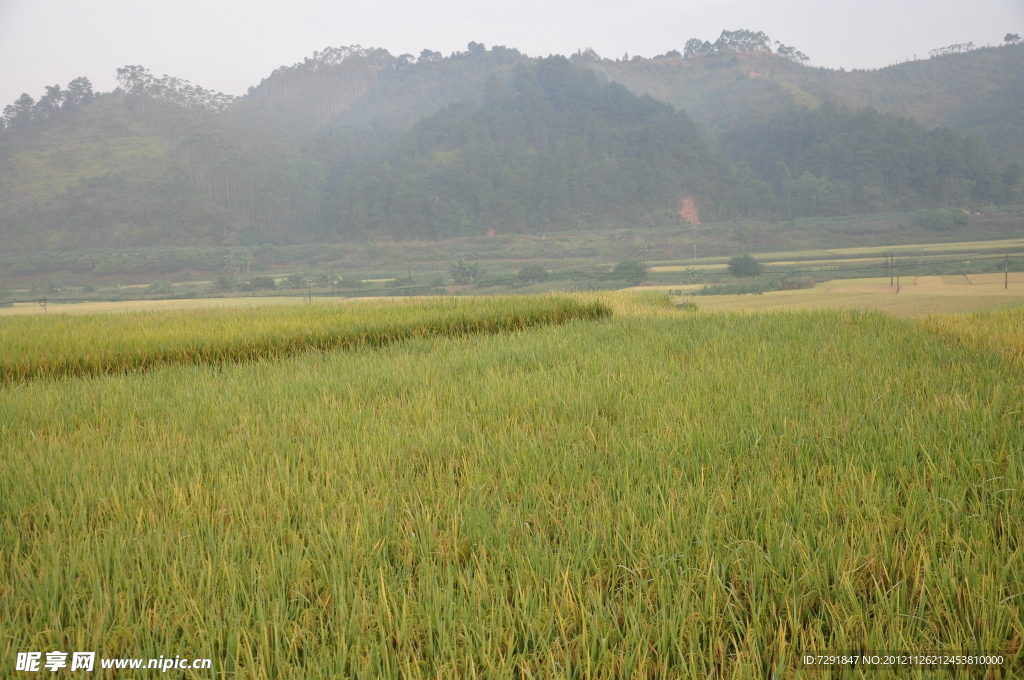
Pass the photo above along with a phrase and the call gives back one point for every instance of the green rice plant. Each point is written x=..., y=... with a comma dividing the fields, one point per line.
x=66, y=345
x=661, y=495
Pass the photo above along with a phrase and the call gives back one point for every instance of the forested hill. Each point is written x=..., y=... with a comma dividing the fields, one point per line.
x=972, y=89
x=549, y=149
x=339, y=89
x=834, y=160
x=356, y=143
x=162, y=162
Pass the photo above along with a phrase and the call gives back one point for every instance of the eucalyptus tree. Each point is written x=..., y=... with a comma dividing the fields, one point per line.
x=49, y=104
x=78, y=92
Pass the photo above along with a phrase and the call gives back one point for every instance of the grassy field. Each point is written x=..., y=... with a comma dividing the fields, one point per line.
x=659, y=494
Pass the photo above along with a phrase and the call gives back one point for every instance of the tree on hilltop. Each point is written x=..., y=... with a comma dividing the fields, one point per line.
x=20, y=113
x=78, y=92
x=741, y=40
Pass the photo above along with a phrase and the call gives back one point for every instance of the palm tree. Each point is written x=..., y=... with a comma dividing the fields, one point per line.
x=462, y=271
x=293, y=281
x=233, y=262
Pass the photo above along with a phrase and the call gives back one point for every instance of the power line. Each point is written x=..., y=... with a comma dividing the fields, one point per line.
x=887, y=266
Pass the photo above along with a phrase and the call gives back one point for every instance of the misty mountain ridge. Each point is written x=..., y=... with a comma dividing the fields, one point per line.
x=355, y=143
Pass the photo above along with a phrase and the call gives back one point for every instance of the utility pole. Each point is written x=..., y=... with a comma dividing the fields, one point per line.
x=897, y=276
x=1006, y=272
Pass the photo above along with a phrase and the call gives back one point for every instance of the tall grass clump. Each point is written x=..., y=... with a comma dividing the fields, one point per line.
x=662, y=495
x=81, y=345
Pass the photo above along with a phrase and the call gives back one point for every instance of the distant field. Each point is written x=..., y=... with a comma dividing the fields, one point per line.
x=910, y=250
x=823, y=239
x=149, y=305
x=918, y=295
x=658, y=494
x=845, y=256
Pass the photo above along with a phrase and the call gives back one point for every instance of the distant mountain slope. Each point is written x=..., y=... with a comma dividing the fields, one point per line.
x=358, y=143
x=553, y=149
x=979, y=91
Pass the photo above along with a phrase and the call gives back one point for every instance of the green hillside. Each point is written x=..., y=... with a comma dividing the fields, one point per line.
x=161, y=162
x=98, y=175
x=835, y=161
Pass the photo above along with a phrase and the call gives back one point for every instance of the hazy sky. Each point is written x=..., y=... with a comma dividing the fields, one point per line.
x=228, y=45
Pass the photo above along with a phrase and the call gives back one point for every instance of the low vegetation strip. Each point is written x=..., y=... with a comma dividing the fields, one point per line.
x=999, y=330
x=74, y=346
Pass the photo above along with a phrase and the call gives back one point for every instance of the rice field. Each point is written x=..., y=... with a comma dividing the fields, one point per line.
x=649, y=493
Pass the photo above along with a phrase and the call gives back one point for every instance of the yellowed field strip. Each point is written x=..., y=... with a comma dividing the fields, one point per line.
x=825, y=262
x=669, y=268
x=918, y=296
